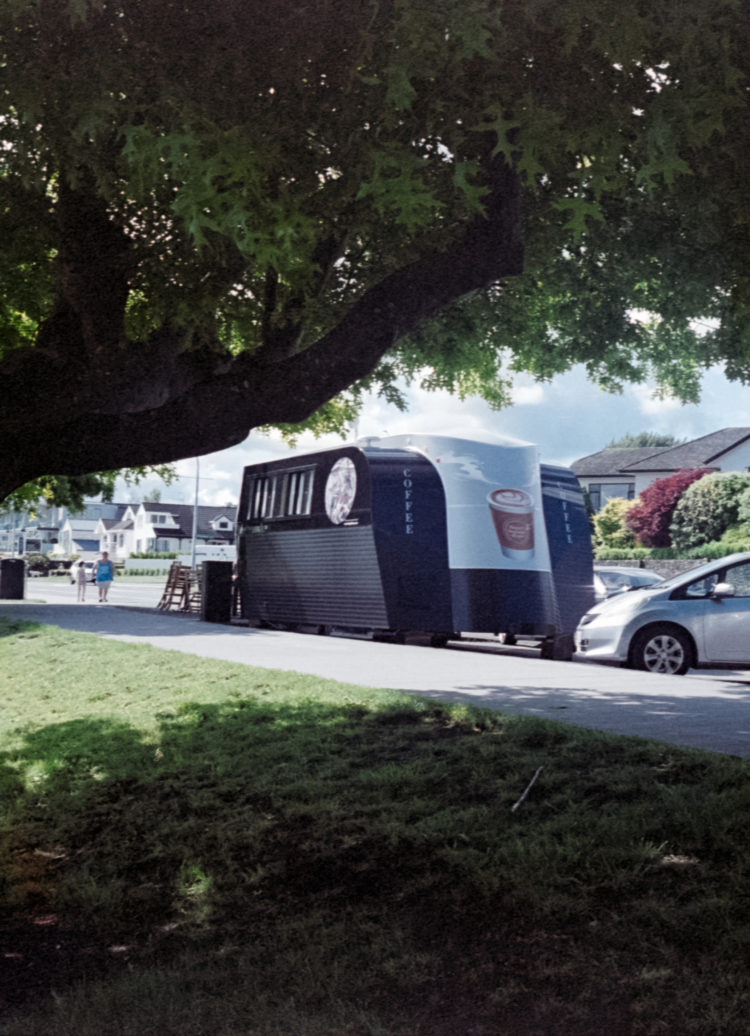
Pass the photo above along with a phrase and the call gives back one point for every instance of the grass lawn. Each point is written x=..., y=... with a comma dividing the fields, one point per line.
x=193, y=847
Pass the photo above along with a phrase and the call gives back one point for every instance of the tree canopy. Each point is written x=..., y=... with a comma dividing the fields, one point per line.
x=219, y=216
x=71, y=491
x=643, y=439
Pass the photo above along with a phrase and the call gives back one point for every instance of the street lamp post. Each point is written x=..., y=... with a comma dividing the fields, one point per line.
x=195, y=513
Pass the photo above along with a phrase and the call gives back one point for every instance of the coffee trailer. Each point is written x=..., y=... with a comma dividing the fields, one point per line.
x=416, y=533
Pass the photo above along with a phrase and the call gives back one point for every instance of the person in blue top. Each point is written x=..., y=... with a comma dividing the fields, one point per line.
x=104, y=573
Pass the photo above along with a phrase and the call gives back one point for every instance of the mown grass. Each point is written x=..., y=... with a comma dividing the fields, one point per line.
x=194, y=847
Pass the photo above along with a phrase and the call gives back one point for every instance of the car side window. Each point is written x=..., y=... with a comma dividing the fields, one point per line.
x=739, y=577
x=701, y=587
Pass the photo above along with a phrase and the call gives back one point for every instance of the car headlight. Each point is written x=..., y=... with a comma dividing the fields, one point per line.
x=588, y=617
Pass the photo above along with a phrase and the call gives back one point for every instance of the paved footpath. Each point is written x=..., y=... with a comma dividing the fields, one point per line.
x=708, y=710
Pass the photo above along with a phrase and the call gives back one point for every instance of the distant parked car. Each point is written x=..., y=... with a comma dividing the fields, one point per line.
x=610, y=579
x=88, y=566
x=698, y=619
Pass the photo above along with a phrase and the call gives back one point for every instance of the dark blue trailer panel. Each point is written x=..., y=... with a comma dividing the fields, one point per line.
x=423, y=536
x=569, y=535
x=378, y=564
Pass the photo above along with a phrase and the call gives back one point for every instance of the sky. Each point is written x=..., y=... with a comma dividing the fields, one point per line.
x=567, y=419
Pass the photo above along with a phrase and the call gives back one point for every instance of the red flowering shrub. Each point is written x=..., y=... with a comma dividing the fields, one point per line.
x=650, y=517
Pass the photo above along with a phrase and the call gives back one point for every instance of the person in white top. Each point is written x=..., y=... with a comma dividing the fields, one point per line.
x=80, y=580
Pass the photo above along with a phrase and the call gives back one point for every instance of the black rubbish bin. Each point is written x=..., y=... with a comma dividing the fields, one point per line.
x=12, y=576
x=216, y=591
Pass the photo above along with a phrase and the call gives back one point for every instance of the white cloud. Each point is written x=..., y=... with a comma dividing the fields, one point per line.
x=650, y=403
x=528, y=395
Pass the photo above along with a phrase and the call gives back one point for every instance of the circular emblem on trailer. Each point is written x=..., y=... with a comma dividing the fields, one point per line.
x=341, y=488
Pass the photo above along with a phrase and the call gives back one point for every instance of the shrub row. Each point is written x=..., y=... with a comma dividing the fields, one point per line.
x=709, y=551
x=144, y=572
x=166, y=555
x=689, y=511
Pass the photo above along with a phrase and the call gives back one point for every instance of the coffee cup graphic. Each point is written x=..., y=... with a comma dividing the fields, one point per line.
x=512, y=512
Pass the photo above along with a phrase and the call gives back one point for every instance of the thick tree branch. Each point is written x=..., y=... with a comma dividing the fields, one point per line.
x=199, y=404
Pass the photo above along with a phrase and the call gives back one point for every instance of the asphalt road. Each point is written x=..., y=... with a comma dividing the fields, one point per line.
x=707, y=710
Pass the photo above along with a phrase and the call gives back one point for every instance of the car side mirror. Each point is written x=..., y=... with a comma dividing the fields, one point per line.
x=723, y=590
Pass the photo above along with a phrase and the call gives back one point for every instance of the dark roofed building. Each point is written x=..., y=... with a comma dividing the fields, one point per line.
x=625, y=472
x=215, y=524
x=167, y=528
x=716, y=450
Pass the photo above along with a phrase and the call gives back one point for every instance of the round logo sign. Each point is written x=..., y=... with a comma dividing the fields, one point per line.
x=341, y=488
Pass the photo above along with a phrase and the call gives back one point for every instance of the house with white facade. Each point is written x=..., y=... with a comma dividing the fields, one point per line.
x=626, y=472
x=113, y=535
x=25, y=532
x=12, y=525
x=78, y=536
x=166, y=528
x=28, y=532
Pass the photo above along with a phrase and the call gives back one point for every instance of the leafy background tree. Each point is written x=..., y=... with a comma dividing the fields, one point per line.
x=610, y=524
x=220, y=216
x=708, y=508
x=655, y=439
x=743, y=511
x=651, y=516
x=72, y=491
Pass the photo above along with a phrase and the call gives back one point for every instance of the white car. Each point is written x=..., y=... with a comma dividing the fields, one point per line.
x=89, y=568
x=698, y=619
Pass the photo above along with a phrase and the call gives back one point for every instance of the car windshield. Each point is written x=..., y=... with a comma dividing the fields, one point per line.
x=693, y=574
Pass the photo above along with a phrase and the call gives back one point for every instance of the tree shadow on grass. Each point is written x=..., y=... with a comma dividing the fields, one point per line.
x=228, y=819
x=311, y=847
x=12, y=627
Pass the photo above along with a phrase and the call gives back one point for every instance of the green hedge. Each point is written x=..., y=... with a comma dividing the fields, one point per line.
x=710, y=551
x=166, y=556
x=717, y=549
x=634, y=553
x=128, y=572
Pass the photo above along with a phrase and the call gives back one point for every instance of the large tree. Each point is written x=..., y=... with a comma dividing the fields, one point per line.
x=215, y=216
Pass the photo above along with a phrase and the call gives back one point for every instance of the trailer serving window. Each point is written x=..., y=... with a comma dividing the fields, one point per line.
x=280, y=494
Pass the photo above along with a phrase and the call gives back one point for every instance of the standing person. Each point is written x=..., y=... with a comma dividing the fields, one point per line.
x=79, y=573
x=104, y=573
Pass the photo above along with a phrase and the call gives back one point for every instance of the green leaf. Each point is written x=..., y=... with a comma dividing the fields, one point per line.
x=581, y=210
x=472, y=193
x=399, y=91
x=504, y=128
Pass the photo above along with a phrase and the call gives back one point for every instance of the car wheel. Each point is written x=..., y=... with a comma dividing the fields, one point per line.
x=662, y=649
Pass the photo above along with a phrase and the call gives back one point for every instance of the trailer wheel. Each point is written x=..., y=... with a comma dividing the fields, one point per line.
x=558, y=648
x=390, y=637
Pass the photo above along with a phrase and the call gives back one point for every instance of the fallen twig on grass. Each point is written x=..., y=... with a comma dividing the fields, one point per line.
x=515, y=805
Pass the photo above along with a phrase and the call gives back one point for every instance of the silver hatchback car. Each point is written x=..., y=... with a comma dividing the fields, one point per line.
x=700, y=618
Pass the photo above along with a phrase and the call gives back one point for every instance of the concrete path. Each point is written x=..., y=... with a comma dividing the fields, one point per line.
x=708, y=710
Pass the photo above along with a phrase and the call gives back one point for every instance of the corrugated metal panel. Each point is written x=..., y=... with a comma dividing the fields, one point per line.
x=316, y=576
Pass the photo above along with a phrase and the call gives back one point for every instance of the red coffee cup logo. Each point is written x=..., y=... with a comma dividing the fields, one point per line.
x=512, y=513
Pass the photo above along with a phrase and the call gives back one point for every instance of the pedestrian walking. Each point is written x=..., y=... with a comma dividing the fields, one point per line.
x=104, y=573
x=79, y=573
